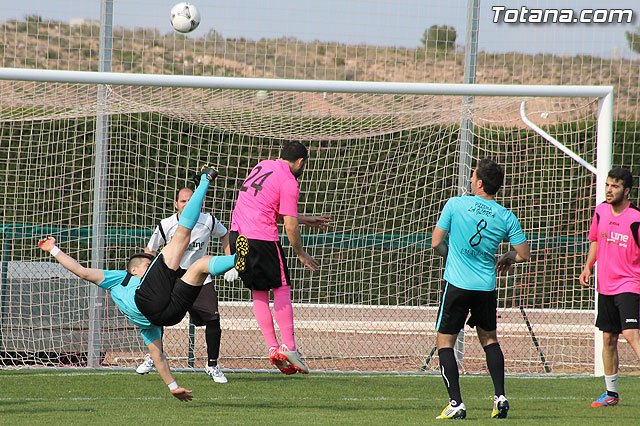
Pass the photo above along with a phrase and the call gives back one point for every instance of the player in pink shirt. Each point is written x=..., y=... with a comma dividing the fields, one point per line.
x=270, y=193
x=615, y=245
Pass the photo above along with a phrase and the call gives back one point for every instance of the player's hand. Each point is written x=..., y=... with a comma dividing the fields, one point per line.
x=308, y=261
x=231, y=275
x=321, y=222
x=584, y=277
x=182, y=394
x=47, y=244
x=503, y=265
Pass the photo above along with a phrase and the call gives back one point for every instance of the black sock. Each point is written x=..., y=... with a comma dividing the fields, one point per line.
x=213, y=332
x=495, y=364
x=613, y=394
x=450, y=375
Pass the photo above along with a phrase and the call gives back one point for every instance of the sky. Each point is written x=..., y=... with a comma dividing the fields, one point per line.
x=376, y=22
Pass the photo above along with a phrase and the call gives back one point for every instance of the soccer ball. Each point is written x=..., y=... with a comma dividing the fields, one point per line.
x=185, y=17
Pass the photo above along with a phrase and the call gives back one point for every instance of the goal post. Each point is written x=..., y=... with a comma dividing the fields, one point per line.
x=383, y=162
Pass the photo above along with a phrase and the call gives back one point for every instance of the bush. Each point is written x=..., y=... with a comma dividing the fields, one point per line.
x=439, y=37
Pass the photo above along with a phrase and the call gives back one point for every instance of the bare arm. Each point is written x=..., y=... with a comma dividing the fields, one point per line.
x=224, y=240
x=315, y=221
x=155, y=242
x=95, y=276
x=162, y=366
x=585, y=275
x=439, y=242
x=521, y=253
x=292, y=228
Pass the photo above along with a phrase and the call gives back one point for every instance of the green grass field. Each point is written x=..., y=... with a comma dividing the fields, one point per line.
x=31, y=397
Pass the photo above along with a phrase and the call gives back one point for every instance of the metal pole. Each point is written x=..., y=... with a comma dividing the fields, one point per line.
x=290, y=85
x=604, y=148
x=4, y=280
x=466, y=123
x=97, y=295
x=191, y=352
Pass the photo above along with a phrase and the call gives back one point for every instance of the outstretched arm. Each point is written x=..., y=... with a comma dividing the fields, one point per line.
x=48, y=244
x=292, y=229
x=521, y=253
x=162, y=366
x=315, y=221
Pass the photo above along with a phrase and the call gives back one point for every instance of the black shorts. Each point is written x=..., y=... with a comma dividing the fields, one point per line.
x=266, y=264
x=205, y=308
x=162, y=296
x=618, y=312
x=456, y=304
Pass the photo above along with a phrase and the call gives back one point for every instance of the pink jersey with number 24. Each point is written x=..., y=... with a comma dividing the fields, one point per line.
x=269, y=192
x=618, y=258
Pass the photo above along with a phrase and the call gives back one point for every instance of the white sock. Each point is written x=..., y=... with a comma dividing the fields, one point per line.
x=611, y=383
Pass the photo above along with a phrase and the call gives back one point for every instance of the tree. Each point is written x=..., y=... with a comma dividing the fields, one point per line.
x=214, y=35
x=633, y=38
x=439, y=37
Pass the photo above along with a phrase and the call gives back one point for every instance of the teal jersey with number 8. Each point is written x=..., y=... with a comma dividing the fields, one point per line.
x=476, y=228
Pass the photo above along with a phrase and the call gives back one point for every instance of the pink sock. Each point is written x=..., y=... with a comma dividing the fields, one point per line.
x=283, y=312
x=263, y=316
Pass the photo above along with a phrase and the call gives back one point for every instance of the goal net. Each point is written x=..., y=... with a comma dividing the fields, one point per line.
x=381, y=164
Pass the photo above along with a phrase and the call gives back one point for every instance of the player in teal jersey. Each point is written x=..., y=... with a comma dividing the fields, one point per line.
x=475, y=225
x=150, y=293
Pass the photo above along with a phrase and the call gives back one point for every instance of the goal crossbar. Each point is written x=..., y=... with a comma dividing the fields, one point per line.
x=212, y=82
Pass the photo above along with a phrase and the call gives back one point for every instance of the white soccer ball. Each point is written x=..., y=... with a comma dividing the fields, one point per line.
x=185, y=17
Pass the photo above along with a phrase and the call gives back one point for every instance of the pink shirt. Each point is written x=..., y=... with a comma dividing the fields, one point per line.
x=618, y=256
x=269, y=192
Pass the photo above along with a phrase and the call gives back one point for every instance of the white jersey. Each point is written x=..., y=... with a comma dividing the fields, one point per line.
x=206, y=227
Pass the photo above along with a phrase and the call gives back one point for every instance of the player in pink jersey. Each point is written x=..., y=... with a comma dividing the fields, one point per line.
x=615, y=246
x=268, y=194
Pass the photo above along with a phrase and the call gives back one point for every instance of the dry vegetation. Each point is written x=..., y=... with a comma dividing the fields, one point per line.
x=34, y=43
